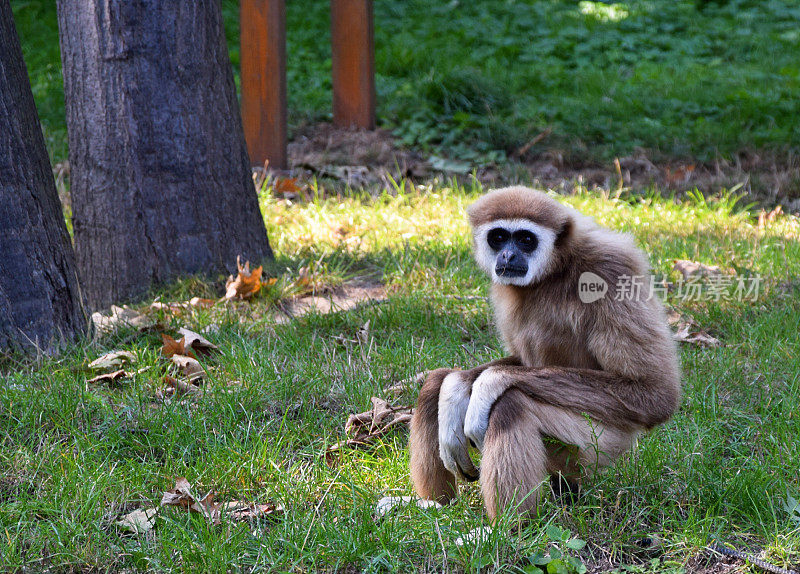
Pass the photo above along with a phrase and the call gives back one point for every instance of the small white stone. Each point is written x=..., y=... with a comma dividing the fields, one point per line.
x=475, y=536
x=388, y=503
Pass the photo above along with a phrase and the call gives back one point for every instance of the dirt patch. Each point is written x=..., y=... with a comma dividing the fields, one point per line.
x=767, y=179
x=355, y=157
x=371, y=159
x=343, y=298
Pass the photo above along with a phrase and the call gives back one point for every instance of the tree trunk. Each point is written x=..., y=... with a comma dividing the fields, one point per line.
x=160, y=178
x=40, y=303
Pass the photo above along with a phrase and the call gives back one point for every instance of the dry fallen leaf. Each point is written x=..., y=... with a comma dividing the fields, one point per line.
x=764, y=218
x=181, y=496
x=196, y=342
x=246, y=284
x=113, y=359
x=691, y=269
x=189, y=366
x=202, y=303
x=365, y=428
x=121, y=317
x=287, y=187
x=172, y=347
x=139, y=521
x=110, y=377
x=686, y=334
x=176, y=388
x=239, y=510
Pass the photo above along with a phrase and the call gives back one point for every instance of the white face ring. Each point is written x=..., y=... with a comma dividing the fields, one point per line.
x=538, y=260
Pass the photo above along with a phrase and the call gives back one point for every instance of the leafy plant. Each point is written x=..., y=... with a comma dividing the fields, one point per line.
x=561, y=557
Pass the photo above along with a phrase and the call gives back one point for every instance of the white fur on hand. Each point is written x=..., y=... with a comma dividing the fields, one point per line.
x=485, y=391
x=453, y=402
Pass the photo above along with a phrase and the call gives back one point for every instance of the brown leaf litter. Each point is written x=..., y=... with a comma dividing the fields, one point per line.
x=189, y=366
x=176, y=388
x=110, y=378
x=691, y=269
x=688, y=331
x=190, y=344
x=355, y=157
x=112, y=359
x=246, y=283
x=181, y=496
x=178, y=308
x=139, y=521
x=365, y=428
x=122, y=317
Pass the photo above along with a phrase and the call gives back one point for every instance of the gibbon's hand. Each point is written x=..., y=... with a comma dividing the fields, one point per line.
x=485, y=391
x=453, y=446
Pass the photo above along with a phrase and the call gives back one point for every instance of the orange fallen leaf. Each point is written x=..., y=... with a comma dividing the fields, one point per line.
x=246, y=284
x=172, y=347
x=764, y=218
x=287, y=186
x=202, y=303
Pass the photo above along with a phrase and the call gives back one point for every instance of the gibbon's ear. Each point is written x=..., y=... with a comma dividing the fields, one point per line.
x=563, y=234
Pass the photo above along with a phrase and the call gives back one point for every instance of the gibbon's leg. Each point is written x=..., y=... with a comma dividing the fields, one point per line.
x=439, y=448
x=514, y=461
x=526, y=440
x=432, y=480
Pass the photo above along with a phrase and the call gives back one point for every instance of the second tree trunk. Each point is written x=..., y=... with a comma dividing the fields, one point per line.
x=160, y=179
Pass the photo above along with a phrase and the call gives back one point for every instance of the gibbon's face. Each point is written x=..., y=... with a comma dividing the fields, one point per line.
x=514, y=251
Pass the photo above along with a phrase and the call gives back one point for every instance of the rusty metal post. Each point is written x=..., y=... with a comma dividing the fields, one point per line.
x=263, y=58
x=353, y=60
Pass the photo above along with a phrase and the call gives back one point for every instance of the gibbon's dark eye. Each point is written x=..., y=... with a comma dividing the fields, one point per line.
x=497, y=237
x=525, y=240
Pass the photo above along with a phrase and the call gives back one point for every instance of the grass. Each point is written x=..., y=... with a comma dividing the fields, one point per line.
x=476, y=80
x=76, y=456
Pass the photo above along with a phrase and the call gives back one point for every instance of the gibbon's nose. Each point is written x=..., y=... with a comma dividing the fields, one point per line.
x=507, y=257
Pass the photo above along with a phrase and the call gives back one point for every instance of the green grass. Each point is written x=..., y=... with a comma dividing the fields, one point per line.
x=75, y=456
x=476, y=80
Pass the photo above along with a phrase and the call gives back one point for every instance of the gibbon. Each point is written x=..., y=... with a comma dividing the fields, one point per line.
x=592, y=361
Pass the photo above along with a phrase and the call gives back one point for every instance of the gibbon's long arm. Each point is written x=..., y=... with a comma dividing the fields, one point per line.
x=604, y=397
x=454, y=398
x=641, y=391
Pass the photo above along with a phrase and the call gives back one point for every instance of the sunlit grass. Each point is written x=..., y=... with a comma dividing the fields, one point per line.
x=75, y=457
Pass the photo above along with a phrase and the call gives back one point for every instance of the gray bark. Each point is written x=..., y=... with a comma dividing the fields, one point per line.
x=40, y=303
x=160, y=179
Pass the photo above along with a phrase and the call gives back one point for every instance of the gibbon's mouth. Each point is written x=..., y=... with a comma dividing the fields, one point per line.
x=510, y=271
